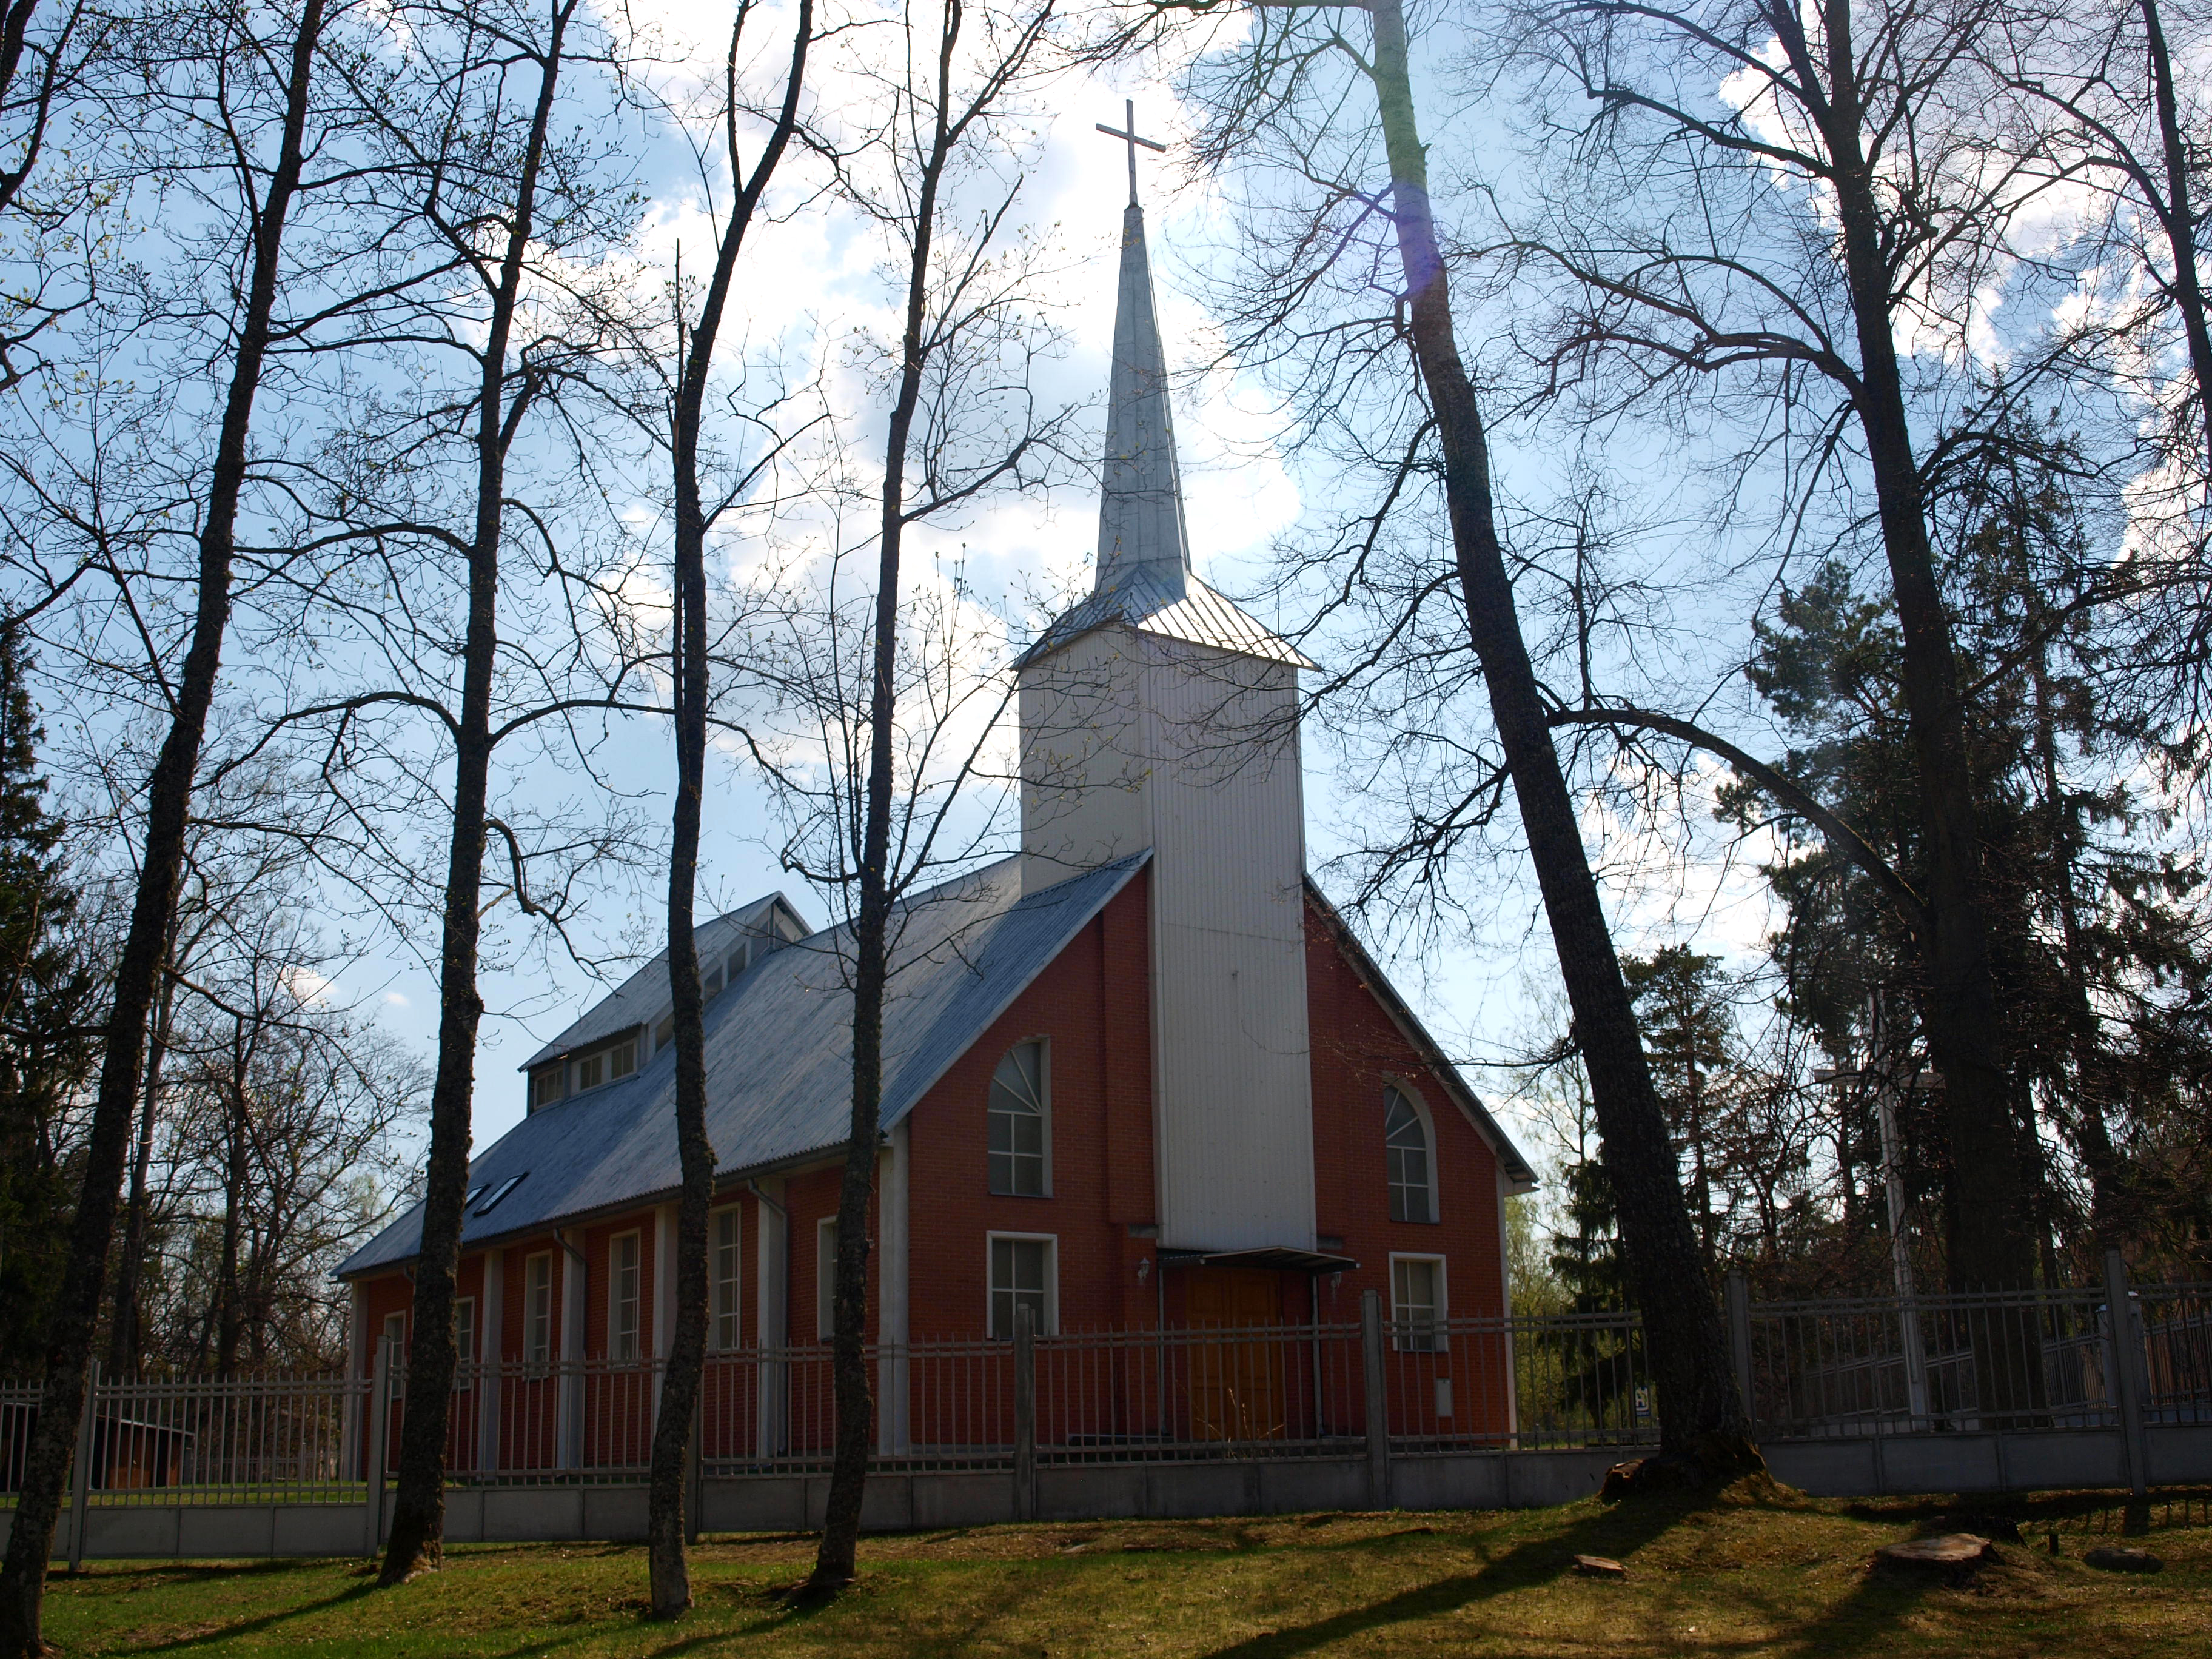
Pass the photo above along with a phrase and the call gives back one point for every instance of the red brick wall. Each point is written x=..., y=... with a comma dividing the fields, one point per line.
x=1093, y=1005
x=810, y=1198
x=1357, y=1049
x=597, y=1244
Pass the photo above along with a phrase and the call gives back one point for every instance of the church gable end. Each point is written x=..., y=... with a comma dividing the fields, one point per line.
x=1088, y=1013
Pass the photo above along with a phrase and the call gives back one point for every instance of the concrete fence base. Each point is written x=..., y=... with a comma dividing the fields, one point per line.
x=2180, y=1455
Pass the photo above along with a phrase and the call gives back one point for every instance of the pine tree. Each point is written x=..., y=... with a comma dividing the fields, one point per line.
x=46, y=1041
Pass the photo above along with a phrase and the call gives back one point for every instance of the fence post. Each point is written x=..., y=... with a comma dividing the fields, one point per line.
x=1025, y=1415
x=379, y=1432
x=1739, y=1326
x=1378, y=1401
x=81, y=1476
x=2127, y=1386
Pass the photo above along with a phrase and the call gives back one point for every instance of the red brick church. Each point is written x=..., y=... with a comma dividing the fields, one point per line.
x=1138, y=1077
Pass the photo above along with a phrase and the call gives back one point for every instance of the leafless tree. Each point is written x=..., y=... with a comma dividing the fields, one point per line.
x=890, y=692
x=1849, y=187
x=1345, y=298
x=258, y=80
x=282, y=1134
x=515, y=212
x=689, y=678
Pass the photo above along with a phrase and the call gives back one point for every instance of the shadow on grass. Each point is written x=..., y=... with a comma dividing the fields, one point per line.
x=1618, y=1531
x=1868, y=1619
x=779, y=1609
x=232, y=1630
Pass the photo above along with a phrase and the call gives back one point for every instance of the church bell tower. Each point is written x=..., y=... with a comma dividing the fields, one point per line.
x=1156, y=714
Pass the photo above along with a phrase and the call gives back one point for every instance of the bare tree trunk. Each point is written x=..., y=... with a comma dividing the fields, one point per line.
x=2175, y=216
x=687, y=1351
x=1990, y=1248
x=841, y=1525
x=229, y=1309
x=124, y=1340
x=418, y=1512
x=138, y=970
x=1701, y=1419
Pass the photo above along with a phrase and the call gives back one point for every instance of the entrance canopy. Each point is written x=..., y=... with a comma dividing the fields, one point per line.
x=1276, y=1258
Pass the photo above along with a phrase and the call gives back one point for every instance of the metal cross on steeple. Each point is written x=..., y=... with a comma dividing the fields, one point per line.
x=1129, y=136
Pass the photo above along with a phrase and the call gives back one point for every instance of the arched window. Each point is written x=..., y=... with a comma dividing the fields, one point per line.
x=1406, y=1136
x=1020, y=1118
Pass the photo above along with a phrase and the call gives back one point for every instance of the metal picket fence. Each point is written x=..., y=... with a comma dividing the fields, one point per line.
x=1812, y=1370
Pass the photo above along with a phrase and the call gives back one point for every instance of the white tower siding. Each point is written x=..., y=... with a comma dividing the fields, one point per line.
x=1134, y=740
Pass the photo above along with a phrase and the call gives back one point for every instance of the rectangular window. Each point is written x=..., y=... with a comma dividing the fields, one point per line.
x=465, y=1336
x=621, y=1058
x=537, y=1308
x=624, y=1281
x=546, y=1085
x=722, y=1260
x=825, y=1280
x=591, y=1072
x=1021, y=1277
x=395, y=1350
x=1417, y=1303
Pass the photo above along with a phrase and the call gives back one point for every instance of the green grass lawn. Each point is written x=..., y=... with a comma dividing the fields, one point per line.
x=1736, y=1579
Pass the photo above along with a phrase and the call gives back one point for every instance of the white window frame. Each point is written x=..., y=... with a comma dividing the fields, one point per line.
x=1044, y=1100
x=825, y=1279
x=1435, y=1339
x=1428, y=1122
x=549, y=1085
x=537, y=1308
x=464, y=1337
x=725, y=1325
x=1051, y=1243
x=626, y=1301
x=608, y=1063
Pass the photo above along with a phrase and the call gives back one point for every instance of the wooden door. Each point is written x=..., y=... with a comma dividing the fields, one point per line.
x=1236, y=1388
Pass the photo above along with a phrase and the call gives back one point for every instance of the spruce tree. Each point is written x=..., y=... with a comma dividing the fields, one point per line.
x=45, y=1044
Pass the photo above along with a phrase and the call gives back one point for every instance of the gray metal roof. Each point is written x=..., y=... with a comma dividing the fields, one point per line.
x=779, y=1057
x=644, y=994
x=1187, y=611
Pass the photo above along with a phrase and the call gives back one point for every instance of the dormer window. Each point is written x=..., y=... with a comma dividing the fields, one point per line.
x=549, y=1084
x=617, y=1059
x=713, y=980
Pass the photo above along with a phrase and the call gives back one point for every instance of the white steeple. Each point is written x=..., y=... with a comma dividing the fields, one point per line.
x=1156, y=714
x=1140, y=525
